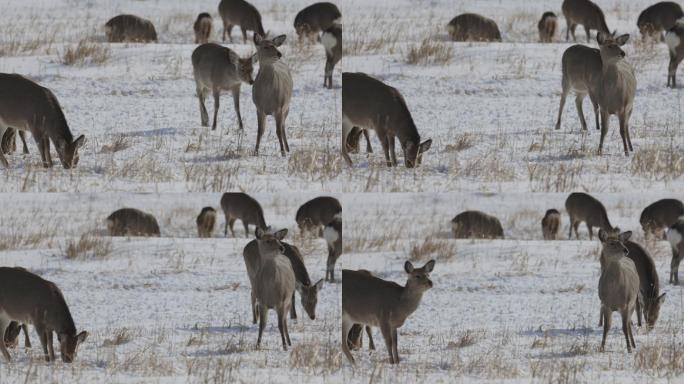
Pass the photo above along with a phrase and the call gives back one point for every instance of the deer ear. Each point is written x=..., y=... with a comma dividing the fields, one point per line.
x=81, y=337
x=408, y=267
x=78, y=143
x=281, y=234
x=622, y=39
x=279, y=40
x=624, y=236
x=429, y=266
x=424, y=146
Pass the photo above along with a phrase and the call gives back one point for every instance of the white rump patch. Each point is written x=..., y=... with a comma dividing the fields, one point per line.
x=329, y=42
x=330, y=235
x=672, y=41
x=674, y=237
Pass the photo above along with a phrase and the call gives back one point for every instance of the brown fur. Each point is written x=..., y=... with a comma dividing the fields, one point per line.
x=206, y=221
x=473, y=27
x=551, y=224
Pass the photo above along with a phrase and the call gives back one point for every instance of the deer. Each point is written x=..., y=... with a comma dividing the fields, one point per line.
x=369, y=300
x=315, y=18
x=547, y=27
x=308, y=292
x=333, y=237
x=132, y=222
x=202, y=28
x=551, y=224
x=582, y=73
x=582, y=207
x=673, y=39
x=659, y=216
x=331, y=38
x=473, y=27
x=242, y=13
x=239, y=205
x=27, y=106
x=206, y=221
x=130, y=28
x=657, y=18
x=355, y=340
x=618, y=285
x=12, y=335
x=217, y=69
x=476, y=225
x=9, y=142
x=352, y=143
x=316, y=213
x=650, y=300
x=42, y=304
x=275, y=283
x=369, y=103
x=583, y=12
x=272, y=89
x=674, y=237
x=618, y=87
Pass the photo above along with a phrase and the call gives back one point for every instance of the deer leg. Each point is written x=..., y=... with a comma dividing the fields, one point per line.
x=625, y=330
x=246, y=228
x=263, y=316
x=27, y=341
x=638, y=311
x=567, y=29
x=293, y=310
x=600, y=317
x=46, y=145
x=395, y=342
x=572, y=223
x=588, y=31
x=330, y=266
x=244, y=34
x=217, y=95
x=387, y=335
x=50, y=340
x=3, y=160
x=255, y=311
x=594, y=103
x=606, y=326
x=578, y=103
x=3, y=328
x=591, y=230
x=572, y=31
x=631, y=333
x=371, y=345
x=204, y=115
x=279, y=121
x=564, y=94
x=393, y=154
x=22, y=135
x=346, y=131
x=281, y=327
x=621, y=118
x=328, y=72
x=369, y=149
x=287, y=331
x=673, y=265
x=346, y=326
x=385, y=147
x=629, y=137
x=236, y=102
x=576, y=227
x=260, y=130
x=604, y=130
x=42, y=335
x=284, y=130
x=672, y=70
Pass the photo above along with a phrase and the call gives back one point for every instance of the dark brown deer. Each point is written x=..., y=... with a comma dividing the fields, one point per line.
x=132, y=222
x=476, y=225
x=582, y=73
x=547, y=27
x=130, y=28
x=586, y=13
x=202, y=28
x=582, y=207
x=238, y=205
x=473, y=27
x=206, y=221
x=315, y=18
x=657, y=18
x=317, y=212
x=659, y=216
x=242, y=13
x=551, y=224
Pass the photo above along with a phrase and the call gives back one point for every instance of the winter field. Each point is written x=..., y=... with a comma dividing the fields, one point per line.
x=491, y=108
x=162, y=310
x=514, y=310
x=136, y=103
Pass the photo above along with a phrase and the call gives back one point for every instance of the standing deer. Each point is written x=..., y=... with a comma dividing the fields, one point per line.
x=659, y=216
x=618, y=286
x=315, y=18
x=618, y=87
x=547, y=27
x=130, y=28
x=673, y=39
x=551, y=224
x=657, y=18
x=333, y=237
x=9, y=141
x=586, y=13
x=332, y=41
x=582, y=207
x=675, y=234
x=202, y=28
x=216, y=69
x=28, y=298
x=272, y=90
x=26, y=106
x=582, y=73
x=369, y=300
x=473, y=27
x=317, y=212
x=242, y=13
x=132, y=222
x=206, y=221
x=369, y=103
x=476, y=225
x=238, y=205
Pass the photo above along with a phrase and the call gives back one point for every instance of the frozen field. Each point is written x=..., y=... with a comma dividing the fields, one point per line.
x=506, y=310
x=137, y=107
x=172, y=309
x=491, y=108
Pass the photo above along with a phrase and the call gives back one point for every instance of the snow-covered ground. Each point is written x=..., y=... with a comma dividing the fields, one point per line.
x=169, y=309
x=505, y=310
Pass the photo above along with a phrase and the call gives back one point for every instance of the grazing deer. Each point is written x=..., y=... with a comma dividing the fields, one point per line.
x=9, y=142
x=582, y=73
x=130, y=28
x=547, y=27
x=618, y=87
x=551, y=224
x=582, y=207
x=368, y=300
x=206, y=221
x=476, y=225
x=332, y=41
x=317, y=212
x=42, y=304
x=657, y=18
x=315, y=18
x=132, y=222
x=216, y=69
x=307, y=292
x=353, y=138
x=26, y=106
x=618, y=285
x=272, y=89
x=238, y=205
x=369, y=103
x=659, y=216
x=673, y=39
x=275, y=283
x=650, y=300
x=586, y=13
x=333, y=237
x=473, y=27
x=675, y=234
x=202, y=28
x=242, y=13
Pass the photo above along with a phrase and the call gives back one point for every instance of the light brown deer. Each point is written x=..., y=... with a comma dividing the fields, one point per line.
x=582, y=73
x=132, y=222
x=253, y=262
x=476, y=225
x=238, y=205
x=547, y=27
x=673, y=39
x=551, y=224
x=42, y=304
x=202, y=28
x=657, y=18
x=369, y=103
x=242, y=13
x=26, y=106
x=217, y=69
x=206, y=221
x=332, y=41
x=315, y=18
x=473, y=27
x=582, y=207
x=368, y=300
x=130, y=28
x=317, y=212
x=272, y=89
x=586, y=13
x=333, y=237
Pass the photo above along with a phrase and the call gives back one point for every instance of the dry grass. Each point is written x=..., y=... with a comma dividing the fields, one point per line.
x=461, y=143
x=121, y=336
x=316, y=358
x=430, y=52
x=314, y=165
x=559, y=177
x=432, y=248
x=87, y=246
x=466, y=339
x=658, y=164
x=86, y=52
x=120, y=143
x=661, y=359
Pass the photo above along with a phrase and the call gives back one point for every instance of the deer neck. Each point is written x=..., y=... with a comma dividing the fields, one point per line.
x=409, y=300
